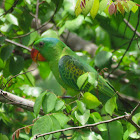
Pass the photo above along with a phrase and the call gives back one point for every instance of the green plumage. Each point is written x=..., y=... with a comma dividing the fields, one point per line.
x=67, y=67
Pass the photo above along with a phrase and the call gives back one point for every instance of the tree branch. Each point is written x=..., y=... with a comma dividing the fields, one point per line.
x=11, y=9
x=43, y=25
x=128, y=117
x=6, y=97
x=131, y=27
x=129, y=45
x=17, y=44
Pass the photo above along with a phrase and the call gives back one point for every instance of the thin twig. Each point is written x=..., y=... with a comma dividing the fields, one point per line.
x=37, y=28
x=21, y=129
x=131, y=27
x=16, y=76
x=126, y=23
x=129, y=45
x=17, y=44
x=6, y=97
x=133, y=111
x=127, y=117
x=79, y=127
x=11, y=9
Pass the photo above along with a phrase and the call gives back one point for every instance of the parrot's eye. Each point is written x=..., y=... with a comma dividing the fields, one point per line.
x=41, y=44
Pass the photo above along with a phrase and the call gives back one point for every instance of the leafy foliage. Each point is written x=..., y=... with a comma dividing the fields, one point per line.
x=25, y=21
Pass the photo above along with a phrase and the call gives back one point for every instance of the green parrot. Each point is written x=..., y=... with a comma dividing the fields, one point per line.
x=67, y=67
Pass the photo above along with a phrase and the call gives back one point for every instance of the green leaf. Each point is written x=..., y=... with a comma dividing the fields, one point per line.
x=12, y=19
x=43, y=125
x=86, y=7
x=49, y=123
x=55, y=126
x=1, y=64
x=8, y=4
x=82, y=118
x=31, y=91
x=3, y=137
x=59, y=105
x=81, y=80
x=6, y=52
x=90, y=100
x=92, y=79
x=6, y=72
x=29, y=39
x=110, y=105
x=49, y=102
x=91, y=136
x=115, y=131
x=81, y=106
x=83, y=6
x=103, y=59
x=74, y=24
x=38, y=103
x=50, y=33
x=78, y=8
x=135, y=135
x=94, y=9
x=103, y=5
x=62, y=118
x=97, y=118
x=132, y=5
x=16, y=64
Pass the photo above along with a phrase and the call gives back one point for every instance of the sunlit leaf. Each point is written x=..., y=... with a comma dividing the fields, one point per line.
x=94, y=9
x=50, y=33
x=103, y=59
x=97, y=118
x=115, y=131
x=49, y=102
x=103, y=5
x=59, y=105
x=120, y=7
x=90, y=136
x=8, y=4
x=92, y=79
x=81, y=80
x=62, y=118
x=90, y=100
x=132, y=5
x=82, y=118
x=86, y=6
x=38, y=103
x=110, y=105
x=12, y=19
x=81, y=106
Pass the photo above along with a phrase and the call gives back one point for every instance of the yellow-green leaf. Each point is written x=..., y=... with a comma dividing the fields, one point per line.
x=81, y=80
x=94, y=9
x=78, y=9
x=86, y=6
x=83, y=6
x=132, y=5
x=90, y=100
x=110, y=105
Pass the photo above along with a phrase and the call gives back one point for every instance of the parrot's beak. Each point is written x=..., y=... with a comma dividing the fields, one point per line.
x=36, y=56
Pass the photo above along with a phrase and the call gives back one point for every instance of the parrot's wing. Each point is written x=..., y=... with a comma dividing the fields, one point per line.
x=70, y=69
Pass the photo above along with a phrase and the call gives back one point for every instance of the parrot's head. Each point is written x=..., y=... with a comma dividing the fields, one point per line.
x=46, y=49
